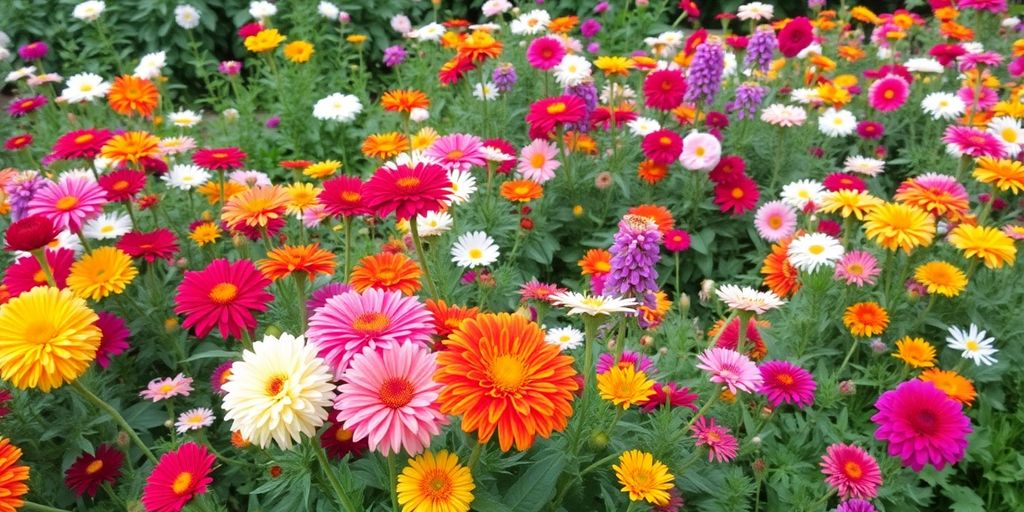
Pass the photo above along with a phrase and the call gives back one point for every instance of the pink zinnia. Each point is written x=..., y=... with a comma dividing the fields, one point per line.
x=843, y=181
x=731, y=369
x=851, y=471
x=545, y=53
x=69, y=202
x=720, y=442
x=458, y=151
x=775, y=221
x=177, y=478
x=160, y=389
x=889, y=93
x=390, y=398
x=857, y=268
x=969, y=61
x=993, y=6
x=351, y=321
x=115, y=337
x=672, y=395
x=922, y=425
x=973, y=142
x=785, y=382
x=21, y=106
x=537, y=161
x=223, y=295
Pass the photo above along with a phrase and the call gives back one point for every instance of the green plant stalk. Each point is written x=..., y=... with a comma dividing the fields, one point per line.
x=846, y=360
x=741, y=331
x=474, y=456
x=300, y=287
x=36, y=507
x=393, y=482
x=348, y=245
x=590, y=325
x=40, y=255
x=116, y=416
x=419, y=255
x=332, y=479
x=704, y=408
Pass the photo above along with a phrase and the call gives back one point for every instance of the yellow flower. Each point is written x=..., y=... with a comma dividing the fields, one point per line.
x=849, y=202
x=614, y=65
x=322, y=169
x=916, y=352
x=941, y=278
x=1000, y=172
x=205, y=233
x=298, y=51
x=357, y=38
x=424, y=138
x=48, y=337
x=899, y=226
x=624, y=386
x=644, y=478
x=302, y=197
x=435, y=483
x=105, y=271
x=264, y=41
x=992, y=246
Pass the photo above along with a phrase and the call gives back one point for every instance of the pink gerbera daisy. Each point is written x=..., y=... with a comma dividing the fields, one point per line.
x=738, y=195
x=964, y=140
x=161, y=389
x=177, y=478
x=922, y=425
x=785, y=382
x=843, y=181
x=775, y=221
x=720, y=442
x=851, y=471
x=458, y=151
x=390, y=398
x=223, y=295
x=407, y=190
x=122, y=185
x=984, y=97
x=969, y=61
x=115, y=337
x=731, y=369
x=857, y=268
x=537, y=161
x=69, y=202
x=378, y=319
x=545, y=53
x=26, y=273
x=889, y=93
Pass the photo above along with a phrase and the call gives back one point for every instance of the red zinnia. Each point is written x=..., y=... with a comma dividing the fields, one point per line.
x=31, y=233
x=224, y=295
x=122, y=185
x=738, y=194
x=115, y=337
x=662, y=146
x=728, y=167
x=25, y=274
x=795, y=36
x=85, y=144
x=177, y=478
x=407, y=191
x=89, y=471
x=159, y=243
x=17, y=142
x=343, y=196
x=547, y=114
x=219, y=159
x=664, y=89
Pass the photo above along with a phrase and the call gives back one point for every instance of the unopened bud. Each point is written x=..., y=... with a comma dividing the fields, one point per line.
x=646, y=340
x=847, y=387
x=598, y=441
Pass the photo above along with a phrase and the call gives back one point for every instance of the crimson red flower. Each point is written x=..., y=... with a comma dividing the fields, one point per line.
x=25, y=274
x=602, y=117
x=219, y=159
x=249, y=29
x=115, y=337
x=85, y=144
x=407, y=191
x=728, y=167
x=737, y=42
x=547, y=114
x=888, y=69
x=337, y=441
x=177, y=478
x=662, y=146
x=16, y=142
x=31, y=233
x=672, y=395
x=223, y=295
x=90, y=471
x=690, y=8
x=738, y=195
x=343, y=196
x=830, y=227
x=946, y=54
x=159, y=243
x=454, y=69
x=795, y=36
x=122, y=185
x=664, y=89
x=843, y=181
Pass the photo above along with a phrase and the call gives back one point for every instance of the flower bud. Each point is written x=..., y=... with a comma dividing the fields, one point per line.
x=847, y=387
x=598, y=441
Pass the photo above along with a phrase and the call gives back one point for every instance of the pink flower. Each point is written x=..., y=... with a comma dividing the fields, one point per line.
x=922, y=425
x=993, y=6
x=545, y=53
x=701, y=152
x=177, y=478
x=785, y=382
x=349, y=322
x=390, y=397
x=731, y=369
x=69, y=202
x=720, y=442
x=160, y=389
x=889, y=93
x=115, y=337
x=458, y=151
x=677, y=240
x=672, y=395
x=775, y=221
x=537, y=161
x=857, y=268
x=969, y=61
x=851, y=471
x=964, y=140
x=985, y=99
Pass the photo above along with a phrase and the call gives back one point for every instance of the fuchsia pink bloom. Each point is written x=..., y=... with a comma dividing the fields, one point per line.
x=545, y=53
x=973, y=142
x=857, y=268
x=458, y=151
x=922, y=425
x=889, y=93
x=69, y=202
x=787, y=383
x=851, y=471
x=721, y=444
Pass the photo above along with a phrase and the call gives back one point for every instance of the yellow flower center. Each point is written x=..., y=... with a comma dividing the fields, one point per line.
x=223, y=293
x=83, y=138
x=1009, y=135
x=342, y=435
x=603, y=266
x=395, y=392
x=276, y=385
x=855, y=269
x=181, y=483
x=853, y=470
x=537, y=161
x=665, y=141
x=556, y=108
x=816, y=249
x=522, y=189
x=120, y=185
x=476, y=253
x=699, y=151
x=972, y=345
x=66, y=203
x=785, y=379
x=371, y=323
x=93, y=467
x=508, y=373
x=408, y=183
x=737, y=193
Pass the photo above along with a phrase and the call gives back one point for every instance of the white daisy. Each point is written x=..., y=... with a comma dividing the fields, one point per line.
x=973, y=47
x=812, y=49
x=492, y=154
x=864, y=165
x=89, y=10
x=20, y=73
x=78, y=174
x=328, y=10
x=433, y=223
x=260, y=9
x=973, y=344
x=84, y=87
x=428, y=32
x=531, y=23
x=837, y=123
x=729, y=60
x=463, y=186
x=474, y=249
x=151, y=65
x=672, y=38
x=1008, y=130
x=943, y=105
x=566, y=338
x=593, y=305
x=194, y=419
x=617, y=92
x=186, y=16
x=337, y=107
x=418, y=115
x=924, y=65
x=485, y=91
x=805, y=95
x=184, y=119
x=884, y=53
x=1010, y=22
x=799, y=193
x=642, y=126
x=746, y=298
x=811, y=251
x=107, y=226
x=185, y=176
x=755, y=11
x=67, y=240
x=573, y=70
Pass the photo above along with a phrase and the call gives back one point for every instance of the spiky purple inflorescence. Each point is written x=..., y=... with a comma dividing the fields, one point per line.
x=635, y=254
x=394, y=55
x=705, y=76
x=504, y=77
x=588, y=93
x=760, y=49
x=748, y=99
x=20, y=191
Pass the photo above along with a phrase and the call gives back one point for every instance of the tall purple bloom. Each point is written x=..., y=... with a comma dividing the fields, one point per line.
x=748, y=98
x=20, y=191
x=394, y=55
x=760, y=49
x=590, y=28
x=588, y=93
x=705, y=76
x=504, y=77
x=635, y=254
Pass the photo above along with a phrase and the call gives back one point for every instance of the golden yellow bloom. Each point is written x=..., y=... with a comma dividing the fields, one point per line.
x=833, y=94
x=435, y=483
x=385, y=145
x=861, y=13
x=990, y=245
x=424, y=138
x=48, y=337
x=916, y=352
x=205, y=233
x=1014, y=109
x=849, y=202
x=322, y=169
x=105, y=271
x=643, y=478
x=211, y=189
x=302, y=197
x=955, y=386
x=357, y=38
x=624, y=386
x=941, y=278
x=1000, y=172
x=614, y=65
x=264, y=41
x=130, y=147
x=899, y=226
x=298, y=51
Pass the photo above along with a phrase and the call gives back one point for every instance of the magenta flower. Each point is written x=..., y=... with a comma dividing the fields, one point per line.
x=785, y=382
x=964, y=140
x=33, y=51
x=69, y=202
x=719, y=440
x=545, y=53
x=672, y=395
x=115, y=337
x=851, y=471
x=731, y=369
x=889, y=93
x=458, y=151
x=922, y=425
x=857, y=268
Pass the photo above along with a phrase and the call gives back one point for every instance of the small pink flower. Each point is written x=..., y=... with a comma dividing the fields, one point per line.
x=160, y=389
x=889, y=93
x=857, y=268
x=537, y=161
x=721, y=443
x=731, y=369
x=775, y=221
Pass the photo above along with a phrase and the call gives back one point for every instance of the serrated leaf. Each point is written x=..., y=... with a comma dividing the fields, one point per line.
x=536, y=487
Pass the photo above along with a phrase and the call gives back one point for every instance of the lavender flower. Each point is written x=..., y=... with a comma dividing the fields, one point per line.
x=748, y=98
x=588, y=93
x=760, y=49
x=394, y=55
x=705, y=76
x=20, y=191
x=590, y=28
x=504, y=77
x=815, y=4
x=635, y=255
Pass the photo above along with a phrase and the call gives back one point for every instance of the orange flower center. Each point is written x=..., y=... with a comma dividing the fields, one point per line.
x=93, y=467
x=455, y=154
x=39, y=277
x=853, y=470
x=181, y=483
x=27, y=103
x=855, y=269
x=785, y=379
x=537, y=161
x=666, y=85
x=603, y=266
x=275, y=385
x=507, y=373
x=737, y=193
x=386, y=276
x=133, y=93
x=371, y=323
x=556, y=108
x=66, y=203
x=351, y=196
x=223, y=293
x=889, y=94
x=342, y=435
x=436, y=485
x=774, y=222
x=120, y=185
x=408, y=183
x=219, y=156
x=665, y=141
x=395, y=392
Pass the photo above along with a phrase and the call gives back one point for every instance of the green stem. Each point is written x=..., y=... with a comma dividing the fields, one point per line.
x=339, y=491
x=474, y=456
x=849, y=354
x=348, y=245
x=393, y=482
x=116, y=416
x=741, y=336
x=40, y=255
x=419, y=255
x=300, y=287
x=590, y=325
x=36, y=507
x=704, y=408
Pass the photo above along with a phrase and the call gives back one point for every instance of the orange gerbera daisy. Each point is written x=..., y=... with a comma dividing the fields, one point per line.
x=779, y=274
x=404, y=100
x=580, y=143
x=563, y=24
x=523, y=191
x=387, y=271
x=255, y=207
x=955, y=386
x=385, y=145
x=659, y=214
x=14, y=476
x=866, y=319
x=449, y=318
x=651, y=172
x=595, y=262
x=130, y=94
x=480, y=46
x=499, y=375
x=130, y=147
x=211, y=189
x=284, y=261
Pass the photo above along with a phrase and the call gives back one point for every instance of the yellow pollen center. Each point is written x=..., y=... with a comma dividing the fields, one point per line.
x=66, y=203
x=181, y=483
x=853, y=470
x=93, y=467
x=476, y=254
x=699, y=151
x=603, y=266
x=507, y=373
x=342, y=435
x=371, y=323
x=27, y=103
x=855, y=269
x=395, y=392
x=219, y=156
x=556, y=108
x=816, y=249
x=775, y=222
x=522, y=189
x=537, y=161
x=1009, y=135
x=889, y=94
x=351, y=196
x=737, y=193
x=407, y=183
x=223, y=293
x=276, y=385
x=972, y=345
x=83, y=138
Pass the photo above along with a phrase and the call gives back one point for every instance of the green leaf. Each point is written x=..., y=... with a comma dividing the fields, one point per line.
x=964, y=499
x=223, y=354
x=537, y=485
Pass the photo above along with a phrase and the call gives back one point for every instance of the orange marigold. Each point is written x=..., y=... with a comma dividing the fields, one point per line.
x=866, y=319
x=129, y=95
x=779, y=274
x=404, y=100
x=447, y=318
x=13, y=477
x=385, y=145
x=480, y=46
x=309, y=259
x=389, y=271
x=651, y=172
x=595, y=262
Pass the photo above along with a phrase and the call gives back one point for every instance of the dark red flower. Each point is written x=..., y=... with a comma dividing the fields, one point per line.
x=89, y=471
x=16, y=142
x=830, y=227
x=888, y=69
x=738, y=195
x=602, y=117
x=507, y=148
x=219, y=159
x=795, y=36
x=157, y=244
x=737, y=42
x=338, y=443
x=662, y=146
x=250, y=29
x=728, y=167
x=25, y=273
x=31, y=233
x=122, y=185
x=547, y=114
x=717, y=121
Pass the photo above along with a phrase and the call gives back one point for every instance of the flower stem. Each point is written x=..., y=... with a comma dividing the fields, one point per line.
x=116, y=416
x=849, y=354
x=339, y=491
x=40, y=255
x=392, y=481
x=704, y=408
x=590, y=325
x=35, y=507
x=348, y=244
x=474, y=456
x=419, y=255
x=741, y=337
x=300, y=287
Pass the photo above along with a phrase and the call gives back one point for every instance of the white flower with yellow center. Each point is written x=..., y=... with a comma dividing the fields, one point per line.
x=811, y=251
x=801, y=192
x=586, y=304
x=973, y=344
x=1008, y=130
x=565, y=338
x=84, y=87
x=474, y=249
x=837, y=123
x=107, y=226
x=745, y=298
